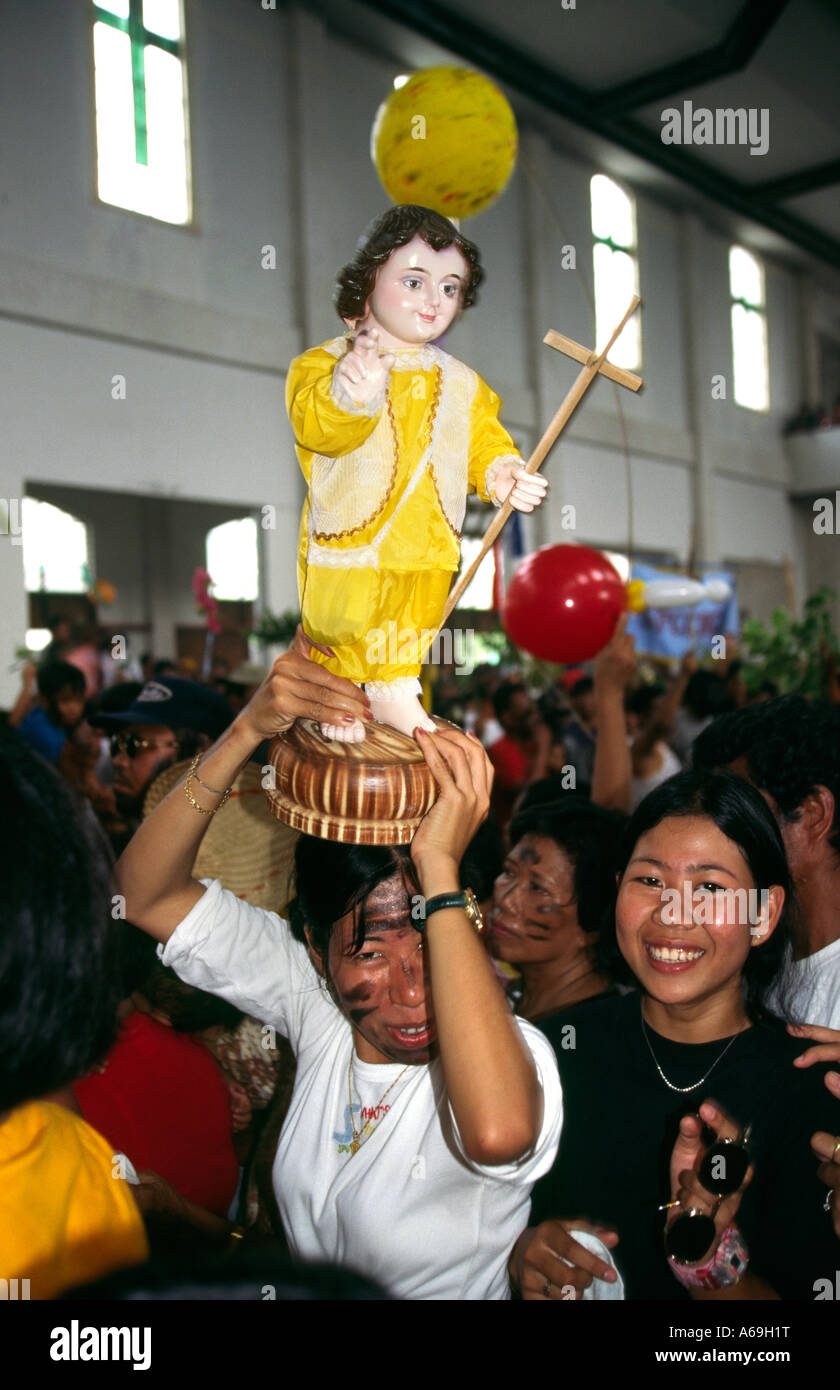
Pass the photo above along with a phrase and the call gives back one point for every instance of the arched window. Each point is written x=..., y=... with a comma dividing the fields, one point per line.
x=55, y=549
x=142, y=140
x=749, y=330
x=616, y=267
x=232, y=559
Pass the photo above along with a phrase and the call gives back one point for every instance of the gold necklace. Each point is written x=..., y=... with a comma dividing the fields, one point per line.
x=685, y=1089
x=359, y=1135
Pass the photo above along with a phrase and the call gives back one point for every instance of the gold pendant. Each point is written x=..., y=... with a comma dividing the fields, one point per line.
x=354, y=1147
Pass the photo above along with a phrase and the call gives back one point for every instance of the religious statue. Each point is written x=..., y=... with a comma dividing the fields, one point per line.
x=392, y=433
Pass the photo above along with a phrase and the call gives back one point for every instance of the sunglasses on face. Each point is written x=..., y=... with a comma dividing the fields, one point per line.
x=132, y=745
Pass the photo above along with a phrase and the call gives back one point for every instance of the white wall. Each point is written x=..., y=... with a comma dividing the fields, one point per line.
x=281, y=110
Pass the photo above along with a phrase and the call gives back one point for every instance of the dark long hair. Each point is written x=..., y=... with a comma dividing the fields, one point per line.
x=332, y=879
x=791, y=746
x=395, y=228
x=59, y=985
x=742, y=815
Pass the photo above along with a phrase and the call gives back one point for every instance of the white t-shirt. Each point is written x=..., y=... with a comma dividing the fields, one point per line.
x=492, y=732
x=409, y=1210
x=640, y=786
x=810, y=989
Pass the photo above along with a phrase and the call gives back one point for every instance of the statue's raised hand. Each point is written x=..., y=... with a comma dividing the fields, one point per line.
x=362, y=373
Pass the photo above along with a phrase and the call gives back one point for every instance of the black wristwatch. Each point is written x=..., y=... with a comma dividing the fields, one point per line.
x=465, y=900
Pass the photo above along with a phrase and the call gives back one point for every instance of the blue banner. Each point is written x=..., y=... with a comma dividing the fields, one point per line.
x=672, y=632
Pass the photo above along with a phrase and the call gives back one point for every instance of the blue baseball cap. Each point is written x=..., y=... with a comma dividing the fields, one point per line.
x=175, y=703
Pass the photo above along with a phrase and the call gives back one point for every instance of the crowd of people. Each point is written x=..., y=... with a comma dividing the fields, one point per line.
x=580, y=1038
x=813, y=417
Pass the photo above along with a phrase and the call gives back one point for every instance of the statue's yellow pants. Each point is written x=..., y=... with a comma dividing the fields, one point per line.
x=379, y=623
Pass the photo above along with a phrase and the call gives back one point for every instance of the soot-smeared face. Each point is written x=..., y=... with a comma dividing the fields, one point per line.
x=383, y=989
x=534, y=914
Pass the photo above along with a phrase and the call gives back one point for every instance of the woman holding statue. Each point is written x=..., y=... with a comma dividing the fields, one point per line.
x=422, y=1111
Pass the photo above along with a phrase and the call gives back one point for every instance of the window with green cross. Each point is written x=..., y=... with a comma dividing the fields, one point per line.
x=142, y=134
x=616, y=269
x=750, y=365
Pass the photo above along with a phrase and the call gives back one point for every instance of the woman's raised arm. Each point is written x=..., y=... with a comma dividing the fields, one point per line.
x=491, y=1077
x=154, y=872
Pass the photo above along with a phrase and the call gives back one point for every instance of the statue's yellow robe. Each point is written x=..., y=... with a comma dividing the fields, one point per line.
x=387, y=488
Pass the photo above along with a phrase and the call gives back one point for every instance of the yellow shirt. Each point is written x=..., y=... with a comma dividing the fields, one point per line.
x=388, y=483
x=64, y=1218
x=394, y=480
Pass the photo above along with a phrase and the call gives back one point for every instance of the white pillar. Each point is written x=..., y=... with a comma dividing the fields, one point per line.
x=159, y=599
x=699, y=370
x=14, y=608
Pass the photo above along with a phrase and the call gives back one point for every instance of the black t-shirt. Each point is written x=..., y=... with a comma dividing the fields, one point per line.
x=621, y=1120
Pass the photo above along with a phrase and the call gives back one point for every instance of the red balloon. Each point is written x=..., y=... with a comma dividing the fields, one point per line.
x=563, y=603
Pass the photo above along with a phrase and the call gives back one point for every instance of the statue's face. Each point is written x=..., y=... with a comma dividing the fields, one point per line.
x=416, y=296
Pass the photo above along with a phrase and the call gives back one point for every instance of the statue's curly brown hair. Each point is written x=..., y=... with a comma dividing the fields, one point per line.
x=393, y=229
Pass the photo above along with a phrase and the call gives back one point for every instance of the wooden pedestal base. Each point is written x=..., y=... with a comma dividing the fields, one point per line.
x=370, y=793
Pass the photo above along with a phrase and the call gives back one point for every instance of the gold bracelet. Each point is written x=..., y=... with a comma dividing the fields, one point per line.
x=235, y=1238
x=206, y=785
x=191, y=799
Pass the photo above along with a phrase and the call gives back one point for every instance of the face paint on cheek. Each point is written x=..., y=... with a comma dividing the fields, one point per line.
x=558, y=920
x=358, y=1015
x=358, y=995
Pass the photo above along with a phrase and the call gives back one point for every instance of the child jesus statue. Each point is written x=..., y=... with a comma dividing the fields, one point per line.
x=392, y=433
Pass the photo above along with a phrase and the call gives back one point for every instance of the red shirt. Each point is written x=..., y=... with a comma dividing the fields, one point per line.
x=162, y=1101
x=512, y=766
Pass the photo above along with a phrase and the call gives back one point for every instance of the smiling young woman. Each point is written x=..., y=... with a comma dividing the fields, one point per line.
x=691, y=964
x=643, y=1066
x=422, y=1111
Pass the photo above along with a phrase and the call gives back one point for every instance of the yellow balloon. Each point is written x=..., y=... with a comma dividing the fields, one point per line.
x=446, y=140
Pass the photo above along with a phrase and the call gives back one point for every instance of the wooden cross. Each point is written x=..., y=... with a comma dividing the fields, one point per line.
x=593, y=364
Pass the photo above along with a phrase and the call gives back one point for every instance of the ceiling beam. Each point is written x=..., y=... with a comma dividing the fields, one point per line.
x=805, y=181
x=747, y=32
x=538, y=82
